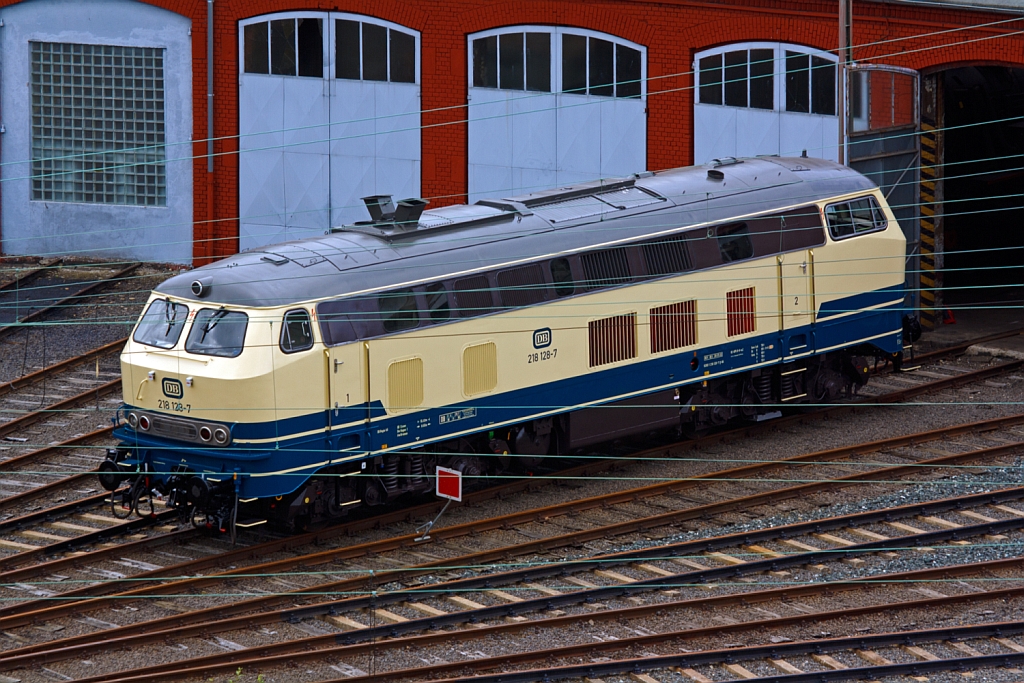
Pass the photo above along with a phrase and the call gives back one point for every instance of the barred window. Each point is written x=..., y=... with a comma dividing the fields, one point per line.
x=98, y=124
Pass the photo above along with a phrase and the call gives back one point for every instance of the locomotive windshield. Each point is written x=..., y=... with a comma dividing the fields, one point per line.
x=162, y=324
x=217, y=332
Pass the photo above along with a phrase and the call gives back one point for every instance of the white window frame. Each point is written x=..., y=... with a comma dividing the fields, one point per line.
x=329, y=39
x=779, y=72
x=556, y=57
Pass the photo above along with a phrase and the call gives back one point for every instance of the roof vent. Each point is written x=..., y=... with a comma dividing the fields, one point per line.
x=407, y=215
x=380, y=206
x=726, y=161
x=715, y=175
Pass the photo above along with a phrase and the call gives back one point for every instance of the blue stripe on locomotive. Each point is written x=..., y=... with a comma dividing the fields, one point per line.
x=281, y=469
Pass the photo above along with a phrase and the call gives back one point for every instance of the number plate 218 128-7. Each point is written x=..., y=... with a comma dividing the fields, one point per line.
x=541, y=356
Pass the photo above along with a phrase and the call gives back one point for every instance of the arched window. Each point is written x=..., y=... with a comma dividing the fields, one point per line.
x=765, y=98
x=551, y=106
x=329, y=111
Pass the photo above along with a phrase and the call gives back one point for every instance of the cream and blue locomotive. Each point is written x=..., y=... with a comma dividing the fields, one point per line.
x=295, y=381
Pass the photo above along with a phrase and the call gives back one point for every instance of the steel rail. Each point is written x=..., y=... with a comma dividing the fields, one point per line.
x=36, y=415
x=781, y=650
x=30, y=274
x=49, y=370
x=290, y=652
x=270, y=655
x=960, y=348
x=346, y=644
x=257, y=551
x=54, y=449
x=492, y=493
x=75, y=542
x=69, y=300
x=409, y=540
x=201, y=621
x=221, y=612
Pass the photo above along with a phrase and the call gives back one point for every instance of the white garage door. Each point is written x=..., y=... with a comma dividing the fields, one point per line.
x=765, y=98
x=553, y=106
x=329, y=111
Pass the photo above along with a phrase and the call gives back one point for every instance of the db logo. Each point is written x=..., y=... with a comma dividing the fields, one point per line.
x=542, y=338
x=172, y=388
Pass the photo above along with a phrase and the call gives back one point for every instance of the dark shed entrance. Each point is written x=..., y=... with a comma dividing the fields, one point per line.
x=982, y=227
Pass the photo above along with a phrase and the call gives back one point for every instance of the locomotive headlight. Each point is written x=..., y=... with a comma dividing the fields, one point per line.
x=133, y=420
x=144, y=423
x=220, y=435
x=205, y=433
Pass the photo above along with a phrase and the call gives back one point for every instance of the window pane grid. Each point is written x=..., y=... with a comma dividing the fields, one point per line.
x=746, y=79
x=98, y=124
x=517, y=60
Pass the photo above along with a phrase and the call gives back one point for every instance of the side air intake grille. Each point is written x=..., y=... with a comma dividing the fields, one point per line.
x=612, y=339
x=667, y=256
x=739, y=308
x=673, y=326
x=606, y=268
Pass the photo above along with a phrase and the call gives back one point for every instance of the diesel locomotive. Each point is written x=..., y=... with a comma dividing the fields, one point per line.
x=293, y=382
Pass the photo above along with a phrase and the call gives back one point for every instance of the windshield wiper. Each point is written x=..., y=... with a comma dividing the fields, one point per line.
x=212, y=323
x=170, y=315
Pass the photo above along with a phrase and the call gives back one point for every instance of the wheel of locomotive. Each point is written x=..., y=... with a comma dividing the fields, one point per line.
x=122, y=503
x=142, y=501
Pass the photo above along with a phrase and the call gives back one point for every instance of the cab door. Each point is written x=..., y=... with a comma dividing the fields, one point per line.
x=796, y=290
x=347, y=376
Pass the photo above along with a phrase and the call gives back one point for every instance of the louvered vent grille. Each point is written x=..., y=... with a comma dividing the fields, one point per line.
x=479, y=368
x=473, y=296
x=405, y=384
x=612, y=339
x=665, y=257
x=673, y=326
x=522, y=286
x=739, y=308
x=606, y=268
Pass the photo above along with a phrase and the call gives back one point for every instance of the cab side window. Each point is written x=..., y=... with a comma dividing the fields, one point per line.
x=855, y=217
x=296, y=332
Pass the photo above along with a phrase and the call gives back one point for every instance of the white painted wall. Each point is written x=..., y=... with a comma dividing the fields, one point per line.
x=723, y=131
x=310, y=148
x=162, y=234
x=521, y=141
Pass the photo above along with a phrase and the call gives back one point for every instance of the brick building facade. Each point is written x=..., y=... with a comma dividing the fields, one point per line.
x=923, y=38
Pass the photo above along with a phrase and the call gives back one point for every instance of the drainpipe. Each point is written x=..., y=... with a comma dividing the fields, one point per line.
x=210, y=186
x=845, y=30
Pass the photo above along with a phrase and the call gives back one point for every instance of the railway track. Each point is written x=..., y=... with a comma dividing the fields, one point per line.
x=49, y=294
x=16, y=536
x=14, y=571
x=860, y=657
x=254, y=611
x=664, y=570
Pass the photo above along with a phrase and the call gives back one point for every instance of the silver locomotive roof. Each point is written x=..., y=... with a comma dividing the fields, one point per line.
x=375, y=255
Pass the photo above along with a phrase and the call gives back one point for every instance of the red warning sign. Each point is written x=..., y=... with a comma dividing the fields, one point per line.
x=449, y=484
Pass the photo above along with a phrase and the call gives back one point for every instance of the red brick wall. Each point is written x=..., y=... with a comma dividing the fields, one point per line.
x=672, y=31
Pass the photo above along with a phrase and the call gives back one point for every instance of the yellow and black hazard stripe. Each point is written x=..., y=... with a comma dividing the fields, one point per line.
x=929, y=176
